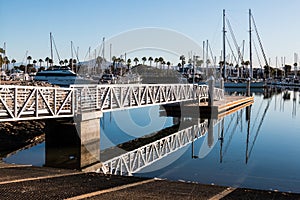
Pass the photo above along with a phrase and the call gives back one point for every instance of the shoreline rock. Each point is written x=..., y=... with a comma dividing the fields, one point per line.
x=17, y=135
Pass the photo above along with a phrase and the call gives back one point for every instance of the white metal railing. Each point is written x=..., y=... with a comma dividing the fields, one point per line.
x=32, y=102
x=113, y=97
x=133, y=161
x=218, y=94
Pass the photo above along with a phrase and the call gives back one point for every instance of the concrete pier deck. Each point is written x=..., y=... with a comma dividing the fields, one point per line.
x=27, y=182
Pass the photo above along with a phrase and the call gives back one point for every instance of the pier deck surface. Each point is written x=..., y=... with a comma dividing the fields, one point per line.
x=219, y=108
x=27, y=182
x=225, y=106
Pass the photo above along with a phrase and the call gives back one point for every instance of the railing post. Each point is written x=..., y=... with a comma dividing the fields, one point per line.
x=248, y=87
x=211, y=87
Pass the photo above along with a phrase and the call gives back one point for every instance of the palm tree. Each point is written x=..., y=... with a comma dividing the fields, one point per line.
x=136, y=60
x=34, y=62
x=179, y=65
x=13, y=61
x=121, y=61
x=29, y=59
x=182, y=58
x=128, y=62
x=41, y=61
x=144, y=59
x=150, y=59
x=161, y=60
x=199, y=63
x=61, y=62
x=72, y=63
x=156, y=61
x=47, y=60
x=163, y=64
x=6, y=61
x=114, y=59
x=168, y=64
x=66, y=62
x=50, y=62
x=295, y=68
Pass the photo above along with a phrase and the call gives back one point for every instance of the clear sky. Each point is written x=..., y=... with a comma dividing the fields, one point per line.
x=26, y=24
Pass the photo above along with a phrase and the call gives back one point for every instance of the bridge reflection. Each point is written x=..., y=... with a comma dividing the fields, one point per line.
x=135, y=160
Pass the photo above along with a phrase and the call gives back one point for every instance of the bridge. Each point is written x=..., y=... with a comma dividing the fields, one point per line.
x=84, y=106
x=33, y=102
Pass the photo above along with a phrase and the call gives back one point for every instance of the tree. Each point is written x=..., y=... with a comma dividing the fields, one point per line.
x=13, y=61
x=34, y=62
x=41, y=61
x=199, y=63
x=182, y=58
x=74, y=61
x=6, y=61
x=161, y=60
x=50, y=62
x=179, y=65
x=128, y=62
x=29, y=59
x=61, y=62
x=144, y=59
x=287, y=69
x=295, y=68
x=168, y=64
x=163, y=64
x=136, y=60
x=156, y=61
x=150, y=59
x=47, y=60
x=114, y=59
x=66, y=62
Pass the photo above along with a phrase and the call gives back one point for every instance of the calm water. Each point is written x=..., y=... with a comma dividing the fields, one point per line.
x=262, y=152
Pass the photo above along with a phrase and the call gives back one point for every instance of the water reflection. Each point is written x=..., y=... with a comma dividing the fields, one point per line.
x=164, y=143
x=255, y=147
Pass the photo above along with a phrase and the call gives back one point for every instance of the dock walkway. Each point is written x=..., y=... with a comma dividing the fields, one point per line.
x=225, y=106
x=27, y=182
x=220, y=108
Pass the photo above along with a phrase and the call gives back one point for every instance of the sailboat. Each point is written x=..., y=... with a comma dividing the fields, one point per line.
x=238, y=82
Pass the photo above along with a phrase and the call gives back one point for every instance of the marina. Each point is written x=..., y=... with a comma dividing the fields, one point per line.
x=150, y=100
x=248, y=143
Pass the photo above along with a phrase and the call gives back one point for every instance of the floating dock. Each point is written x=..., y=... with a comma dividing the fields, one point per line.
x=219, y=109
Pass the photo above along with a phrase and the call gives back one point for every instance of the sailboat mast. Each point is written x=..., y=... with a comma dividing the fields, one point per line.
x=223, y=71
x=71, y=60
x=103, y=44
x=250, y=45
x=51, y=50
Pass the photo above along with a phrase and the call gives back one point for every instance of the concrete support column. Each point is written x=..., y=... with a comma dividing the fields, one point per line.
x=211, y=87
x=88, y=128
x=73, y=142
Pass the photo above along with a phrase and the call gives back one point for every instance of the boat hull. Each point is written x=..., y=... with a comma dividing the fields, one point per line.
x=244, y=85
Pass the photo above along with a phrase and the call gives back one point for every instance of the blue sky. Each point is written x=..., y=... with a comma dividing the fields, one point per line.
x=25, y=25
